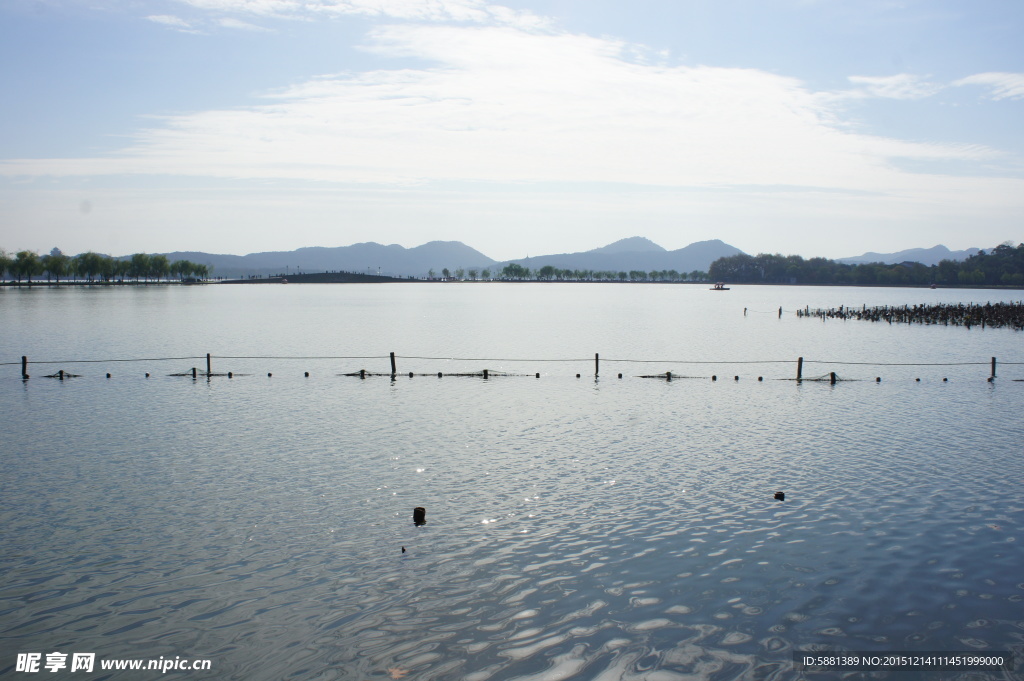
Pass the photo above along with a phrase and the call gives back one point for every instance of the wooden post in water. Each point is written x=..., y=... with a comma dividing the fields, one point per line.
x=194, y=372
x=485, y=373
x=393, y=369
x=597, y=364
x=24, y=367
x=799, y=368
x=993, y=367
x=832, y=377
x=208, y=370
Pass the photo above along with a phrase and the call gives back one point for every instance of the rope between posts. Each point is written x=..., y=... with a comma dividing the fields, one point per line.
x=690, y=361
x=101, y=361
x=297, y=357
x=905, y=364
x=502, y=359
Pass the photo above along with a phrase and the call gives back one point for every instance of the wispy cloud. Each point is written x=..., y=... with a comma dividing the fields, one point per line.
x=1003, y=85
x=169, y=20
x=900, y=86
x=468, y=11
x=231, y=22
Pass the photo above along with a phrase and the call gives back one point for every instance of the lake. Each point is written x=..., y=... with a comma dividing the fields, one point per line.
x=577, y=528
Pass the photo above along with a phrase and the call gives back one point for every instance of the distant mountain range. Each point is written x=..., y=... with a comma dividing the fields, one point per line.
x=634, y=253
x=925, y=256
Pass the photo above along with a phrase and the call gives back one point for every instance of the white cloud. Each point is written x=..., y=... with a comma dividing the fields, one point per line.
x=503, y=105
x=1004, y=85
x=900, y=86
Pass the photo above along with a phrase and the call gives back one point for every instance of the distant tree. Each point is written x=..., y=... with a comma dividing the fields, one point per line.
x=27, y=264
x=5, y=262
x=159, y=267
x=430, y=274
x=623, y=276
x=486, y=274
x=119, y=269
x=139, y=266
x=182, y=269
x=79, y=266
x=109, y=267
x=547, y=273
x=57, y=264
x=446, y=273
x=460, y=274
x=472, y=275
x=515, y=271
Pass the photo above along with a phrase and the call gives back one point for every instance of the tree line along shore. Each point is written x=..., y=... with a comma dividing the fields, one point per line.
x=1003, y=266
x=93, y=267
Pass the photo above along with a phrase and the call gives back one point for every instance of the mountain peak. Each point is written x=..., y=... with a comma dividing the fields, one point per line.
x=633, y=244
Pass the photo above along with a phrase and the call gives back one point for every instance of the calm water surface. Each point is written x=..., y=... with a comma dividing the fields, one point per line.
x=577, y=528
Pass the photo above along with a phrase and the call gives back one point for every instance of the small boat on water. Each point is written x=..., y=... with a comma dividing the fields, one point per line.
x=719, y=287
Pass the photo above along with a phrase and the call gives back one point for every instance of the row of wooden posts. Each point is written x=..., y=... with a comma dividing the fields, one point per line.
x=362, y=373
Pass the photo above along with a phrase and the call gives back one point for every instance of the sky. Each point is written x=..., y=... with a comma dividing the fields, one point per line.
x=811, y=127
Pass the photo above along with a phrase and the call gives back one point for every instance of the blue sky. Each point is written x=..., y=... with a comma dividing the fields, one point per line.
x=815, y=127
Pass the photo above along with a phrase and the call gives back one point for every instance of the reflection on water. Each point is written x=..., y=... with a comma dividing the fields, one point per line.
x=575, y=528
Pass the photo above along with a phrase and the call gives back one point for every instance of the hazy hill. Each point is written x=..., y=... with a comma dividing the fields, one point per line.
x=392, y=260
x=635, y=253
x=925, y=256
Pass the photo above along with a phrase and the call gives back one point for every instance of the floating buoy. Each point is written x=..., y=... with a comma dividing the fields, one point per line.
x=307, y=374
x=735, y=378
x=108, y=375
x=781, y=496
x=538, y=375
x=760, y=378
x=878, y=379
x=410, y=374
x=231, y=374
x=620, y=375
x=419, y=516
x=577, y=375
x=403, y=549
x=147, y=374
x=714, y=378
x=917, y=380
x=269, y=374
x=439, y=374
x=944, y=380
